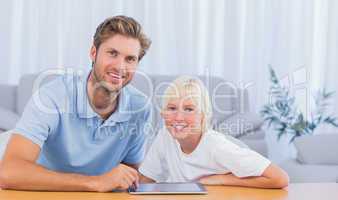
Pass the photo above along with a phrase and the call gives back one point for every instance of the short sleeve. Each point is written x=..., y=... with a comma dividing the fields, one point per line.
x=136, y=152
x=154, y=164
x=242, y=162
x=39, y=119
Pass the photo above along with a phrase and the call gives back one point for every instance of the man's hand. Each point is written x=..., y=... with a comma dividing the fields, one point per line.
x=120, y=178
x=19, y=163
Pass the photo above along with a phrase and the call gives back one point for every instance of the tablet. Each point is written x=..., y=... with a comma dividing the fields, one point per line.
x=169, y=188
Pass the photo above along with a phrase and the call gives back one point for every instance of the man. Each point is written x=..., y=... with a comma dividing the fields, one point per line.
x=84, y=131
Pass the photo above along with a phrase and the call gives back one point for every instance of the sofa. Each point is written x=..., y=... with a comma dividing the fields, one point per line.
x=232, y=116
x=231, y=113
x=316, y=160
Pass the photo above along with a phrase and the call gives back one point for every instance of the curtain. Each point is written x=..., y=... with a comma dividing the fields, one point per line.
x=234, y=39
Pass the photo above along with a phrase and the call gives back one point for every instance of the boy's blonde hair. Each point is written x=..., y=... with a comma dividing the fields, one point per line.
x=191, y=88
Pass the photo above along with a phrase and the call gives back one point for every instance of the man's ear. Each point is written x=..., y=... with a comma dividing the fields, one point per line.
x=93, y=52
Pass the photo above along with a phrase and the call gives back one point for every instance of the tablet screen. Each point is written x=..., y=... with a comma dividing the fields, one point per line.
x=169, y=188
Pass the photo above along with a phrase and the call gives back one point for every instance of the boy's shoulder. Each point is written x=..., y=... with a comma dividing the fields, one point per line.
x=215, y=136
x=220, y=140
x=164, y=135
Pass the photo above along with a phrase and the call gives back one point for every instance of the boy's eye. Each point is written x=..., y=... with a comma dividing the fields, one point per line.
x=171, y=108
x=188, y=109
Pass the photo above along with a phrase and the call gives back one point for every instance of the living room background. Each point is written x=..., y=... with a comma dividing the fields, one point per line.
x=234, y=39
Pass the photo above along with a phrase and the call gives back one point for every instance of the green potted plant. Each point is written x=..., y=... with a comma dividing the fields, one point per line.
x=283, y=114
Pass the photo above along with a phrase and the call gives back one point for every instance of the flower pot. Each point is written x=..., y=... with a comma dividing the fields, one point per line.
x=279, y=150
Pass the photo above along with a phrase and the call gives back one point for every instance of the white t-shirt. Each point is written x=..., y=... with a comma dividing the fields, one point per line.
x=215, y=154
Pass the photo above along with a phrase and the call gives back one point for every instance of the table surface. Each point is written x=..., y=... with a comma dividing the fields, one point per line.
x=297, y=191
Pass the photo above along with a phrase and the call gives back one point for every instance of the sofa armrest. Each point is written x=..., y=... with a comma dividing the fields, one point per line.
x=239, y=124
x=8, y=97
x=8, y=119
x=300, y=173
x=317, y=149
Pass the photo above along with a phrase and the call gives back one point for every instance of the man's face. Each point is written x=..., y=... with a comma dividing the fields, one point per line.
x=115, y=61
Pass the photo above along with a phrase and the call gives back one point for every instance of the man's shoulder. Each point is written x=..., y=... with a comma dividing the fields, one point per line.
x=137, y=99
x=63, y=86
x=54, y=88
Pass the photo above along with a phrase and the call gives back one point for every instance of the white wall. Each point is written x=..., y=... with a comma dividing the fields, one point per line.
x=235, y=39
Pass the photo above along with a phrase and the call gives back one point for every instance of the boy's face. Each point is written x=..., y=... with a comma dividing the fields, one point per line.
x=115, y=61
x=182, y=117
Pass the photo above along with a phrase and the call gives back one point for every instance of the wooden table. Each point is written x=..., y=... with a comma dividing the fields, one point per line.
x=301, y=191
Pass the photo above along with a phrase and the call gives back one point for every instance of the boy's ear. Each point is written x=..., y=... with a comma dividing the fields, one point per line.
x=203, y=121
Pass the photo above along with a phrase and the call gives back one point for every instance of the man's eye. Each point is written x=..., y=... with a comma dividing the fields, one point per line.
x=113, y=53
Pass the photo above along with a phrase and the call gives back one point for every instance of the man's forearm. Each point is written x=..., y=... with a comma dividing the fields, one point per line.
x=31, y=176
x=144, y=179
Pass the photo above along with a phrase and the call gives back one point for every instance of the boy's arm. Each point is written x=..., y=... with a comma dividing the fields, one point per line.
x=272, y=177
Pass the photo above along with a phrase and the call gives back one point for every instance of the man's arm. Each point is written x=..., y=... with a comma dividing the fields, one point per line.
x=19, y=171
x=272, y=177
x=144, y=179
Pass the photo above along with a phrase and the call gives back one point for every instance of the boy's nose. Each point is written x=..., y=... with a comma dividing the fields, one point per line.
x=179, y=115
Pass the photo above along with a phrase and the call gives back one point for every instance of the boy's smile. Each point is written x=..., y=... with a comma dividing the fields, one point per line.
x=182, y=117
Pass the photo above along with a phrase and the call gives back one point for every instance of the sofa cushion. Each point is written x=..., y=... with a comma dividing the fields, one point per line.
x=259, y=146
x=24, y=91
x=300, y=173
x=317, y=149
x=257, y=134
x=8, y=119
x=239, y=124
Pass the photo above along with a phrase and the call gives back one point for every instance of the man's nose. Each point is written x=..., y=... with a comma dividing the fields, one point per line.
x=120, y=63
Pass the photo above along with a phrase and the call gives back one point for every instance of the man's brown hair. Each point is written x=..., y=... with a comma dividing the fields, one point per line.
x=125, y=26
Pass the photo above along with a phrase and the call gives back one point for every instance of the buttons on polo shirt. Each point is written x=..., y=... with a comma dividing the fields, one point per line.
x=103, y=132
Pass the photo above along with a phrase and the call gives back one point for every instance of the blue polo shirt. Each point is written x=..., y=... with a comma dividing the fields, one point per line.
x=73, y=138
